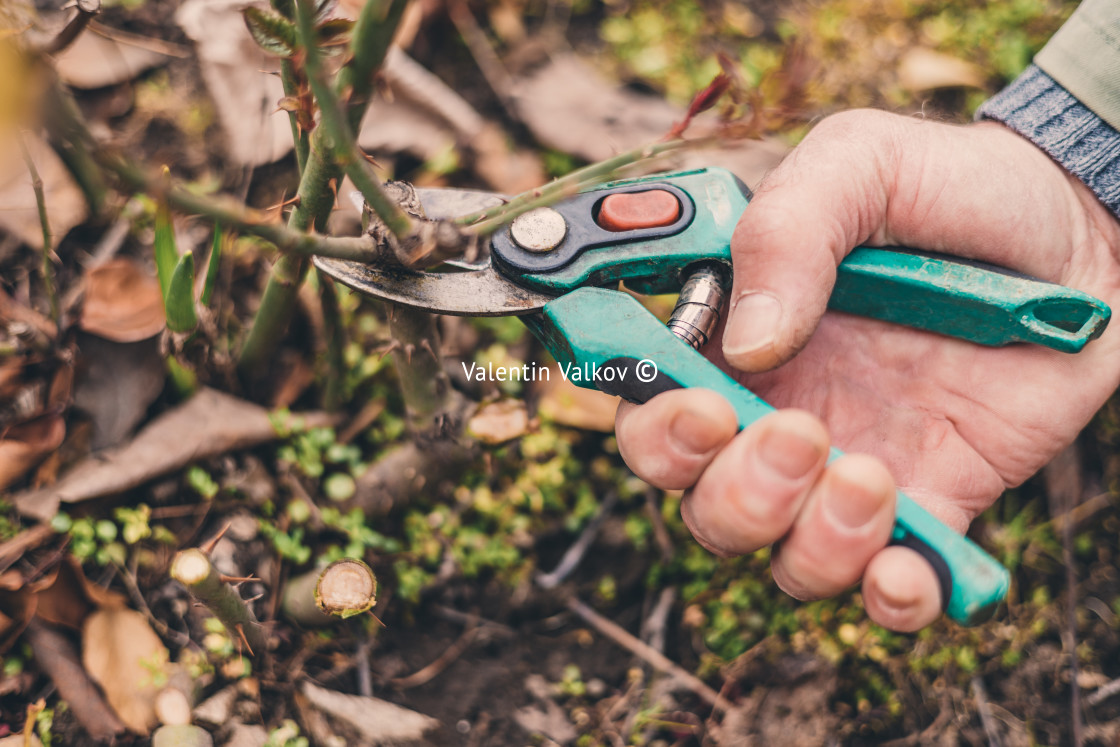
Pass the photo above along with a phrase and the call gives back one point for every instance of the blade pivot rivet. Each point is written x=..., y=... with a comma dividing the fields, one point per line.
x=539, y=230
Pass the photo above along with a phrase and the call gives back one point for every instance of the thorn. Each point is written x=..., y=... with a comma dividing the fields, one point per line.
x=393, y=345
x=409, y=349
x=241, y=632
x=378, y=619
x=208, y=546
x=427, y=345
x=236, y=579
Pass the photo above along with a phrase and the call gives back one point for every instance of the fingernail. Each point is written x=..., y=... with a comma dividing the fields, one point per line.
x=850, y=504
x=897, y=599
x=694, y=432
x=753, y=324
x=788, y=452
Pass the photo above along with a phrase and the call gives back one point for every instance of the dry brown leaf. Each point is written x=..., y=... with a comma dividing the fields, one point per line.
x=378, y=721
x=208, y=423
x=17, y=740
x=241, y=80
x=68, y=598
x=126, y=658
x=565, y=403
x=119, y=381
x=122, y=303
x=568, y=106
x=65, y=205
x=498, y=422
x=24, y=446
x=922, y=69
x=95, y=61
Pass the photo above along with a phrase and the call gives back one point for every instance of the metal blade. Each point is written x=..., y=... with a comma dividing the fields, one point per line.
x=479, y=291
x=473, y=293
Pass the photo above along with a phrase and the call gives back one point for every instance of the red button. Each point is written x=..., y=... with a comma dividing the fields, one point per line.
x=626, y=211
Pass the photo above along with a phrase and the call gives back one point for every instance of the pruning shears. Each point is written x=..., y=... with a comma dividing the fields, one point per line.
x=559, y=267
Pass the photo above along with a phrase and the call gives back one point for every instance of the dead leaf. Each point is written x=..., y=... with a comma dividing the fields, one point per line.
x=17, y=607
x=24, y=446
x=123, y=654
x=117, y=384
x=569, y=107
x=241, y=80
x=96, y=61
x=567, y=404
x=208, y=423
x=922, y=69
x=69, y=598
x=55, y=655
x=65, y=205
x=181, y=735
x=122, y=302
x=498, y=422
x=379, y=721
x=548, y=718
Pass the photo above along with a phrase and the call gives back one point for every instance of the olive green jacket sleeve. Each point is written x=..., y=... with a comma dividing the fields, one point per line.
x=1084, y=58
x=1068, y=102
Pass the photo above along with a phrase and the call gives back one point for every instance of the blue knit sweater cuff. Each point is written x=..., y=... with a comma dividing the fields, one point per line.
x=1039, y=109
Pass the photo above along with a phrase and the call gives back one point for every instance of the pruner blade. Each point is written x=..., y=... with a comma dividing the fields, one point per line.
x=478, y=290
x=482, y=292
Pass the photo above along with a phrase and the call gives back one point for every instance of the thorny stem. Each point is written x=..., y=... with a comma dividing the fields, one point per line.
x=228, y=212
x=74, y=145
x=193, y=569
x=489, y=220
x=336, y=342
x=315, y=198
x=369, y=44
x=87, y=9
x=234, y=214
x=299, y=137
x=336, y=133
x=424, y=383
x=45, y=225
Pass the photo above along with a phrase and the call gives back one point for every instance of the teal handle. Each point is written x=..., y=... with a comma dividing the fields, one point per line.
x=973, y=301
x=968, y=300
x=610, y=340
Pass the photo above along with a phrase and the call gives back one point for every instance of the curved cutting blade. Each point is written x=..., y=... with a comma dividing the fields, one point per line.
x=474, y=293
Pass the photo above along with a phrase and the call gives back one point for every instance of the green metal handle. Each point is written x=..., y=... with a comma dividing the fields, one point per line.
x=615, y=343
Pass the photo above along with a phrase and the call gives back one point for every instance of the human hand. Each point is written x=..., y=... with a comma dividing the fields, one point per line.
x=953, y=423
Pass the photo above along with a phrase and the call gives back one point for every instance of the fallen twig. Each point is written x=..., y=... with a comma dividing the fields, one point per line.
x=87, y=9
x=980, y=694
x=654, y=658
x=208, y=423
x=575, y=553
x=428, y=673
x=58, y=658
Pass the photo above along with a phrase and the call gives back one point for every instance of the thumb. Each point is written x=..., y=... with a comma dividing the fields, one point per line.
x=827, y=197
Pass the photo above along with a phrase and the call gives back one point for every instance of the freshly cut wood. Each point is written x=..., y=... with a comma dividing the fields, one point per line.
x=193, y=569
x=346, y=587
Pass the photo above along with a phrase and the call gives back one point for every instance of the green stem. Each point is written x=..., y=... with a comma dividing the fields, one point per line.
x=336, y=134
x=231, y=213
x=45, y=226
x=336, y=342
x=369, y=43
x=193, y=569
x=75, y=146
x=291, y=90
x=487, y=221
x=424, y=383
